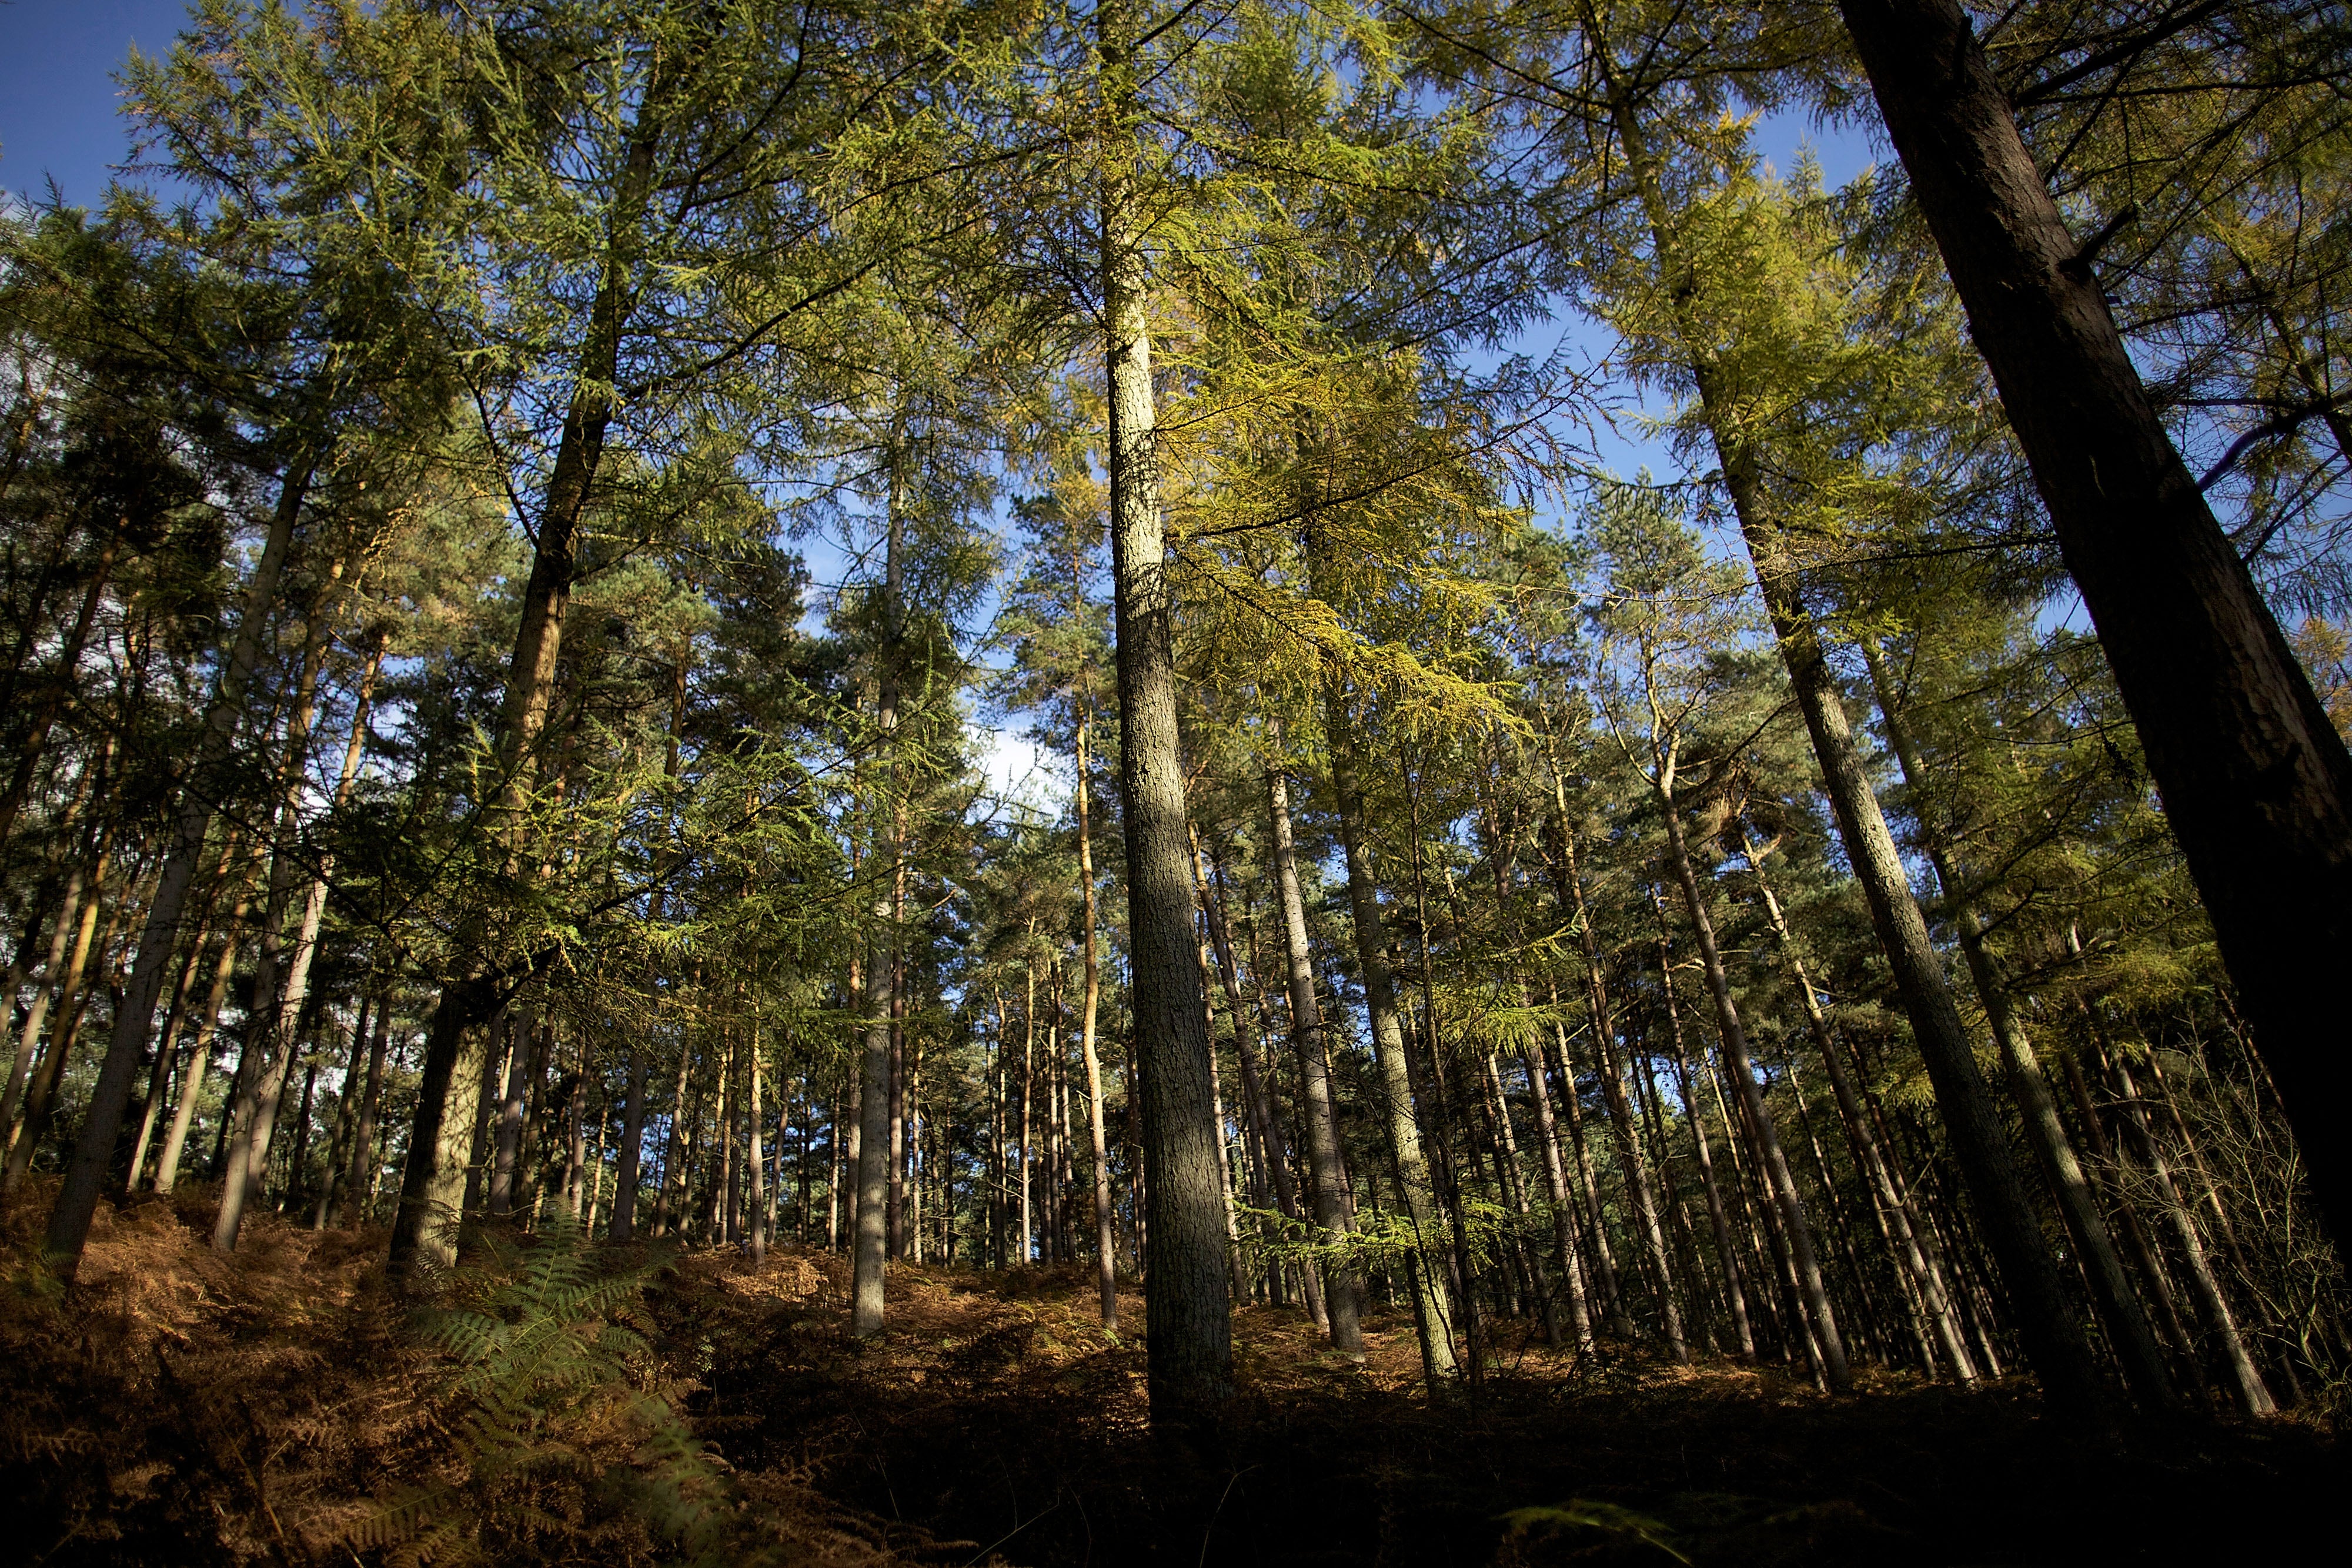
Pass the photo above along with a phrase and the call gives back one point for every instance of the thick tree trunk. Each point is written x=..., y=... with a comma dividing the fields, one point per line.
x=2257, y=784
x=1190, y=1327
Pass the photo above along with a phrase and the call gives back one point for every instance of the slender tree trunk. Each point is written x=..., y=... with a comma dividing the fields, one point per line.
x=1190, y=1327
x=2257, y=783
x=1795, y=1227
x=68, y=998
x=1734, y=1297
x=758, y=1204
x=353, y=1207
x=59, y=691
x=2054, y=1340
x=237, y=1191
x=1893, y=1220
x=1432, y=1311
x=1106, y=1235
x=2252, y=1395
x=134, y=1015
x=2119, y=1309
x=346, y=1115
x=176, y=1141
x=1612, y=1094
x=1342, y=1289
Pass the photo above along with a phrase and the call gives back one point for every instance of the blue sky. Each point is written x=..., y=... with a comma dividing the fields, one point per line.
x=60, y=120
x=58, y=103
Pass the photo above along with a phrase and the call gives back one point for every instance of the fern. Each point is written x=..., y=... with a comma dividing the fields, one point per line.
x=561, y=1431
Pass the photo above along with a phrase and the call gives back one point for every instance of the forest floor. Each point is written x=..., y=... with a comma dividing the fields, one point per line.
x=276, y=1404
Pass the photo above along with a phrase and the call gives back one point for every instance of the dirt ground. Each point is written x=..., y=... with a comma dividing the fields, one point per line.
x=182, y=1407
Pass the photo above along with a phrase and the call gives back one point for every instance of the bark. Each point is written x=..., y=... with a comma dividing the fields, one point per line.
x=1105, y=1237
x=159, y=940
x=2256, y=781
x=1342, y=1289
x=2128, y=1330
x=1796, y=1229
x=1190, y=1328
x=1432, y=1310
x=1926, y=1282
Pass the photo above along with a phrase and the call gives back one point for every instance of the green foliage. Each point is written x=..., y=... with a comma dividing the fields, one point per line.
x=563, y=1434
x=1580, y=1513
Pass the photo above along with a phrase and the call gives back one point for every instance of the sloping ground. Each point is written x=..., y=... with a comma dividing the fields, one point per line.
x=994, y=1410
x=279, y=1405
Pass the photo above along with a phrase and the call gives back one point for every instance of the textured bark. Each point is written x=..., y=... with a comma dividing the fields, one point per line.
x=2256, y=781
x=1190, y=1330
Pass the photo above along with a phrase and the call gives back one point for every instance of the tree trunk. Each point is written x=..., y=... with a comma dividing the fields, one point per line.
x=2257, y=784
x=1432, y=1311
x=1190, y=1327
x=239, y=1188
x=1105, y=1236
x=134, y=1015
x=1893, y=1220
x=2119, y=1310
x=1342, y=1289
x=878, y=1177
x=1796, y=1230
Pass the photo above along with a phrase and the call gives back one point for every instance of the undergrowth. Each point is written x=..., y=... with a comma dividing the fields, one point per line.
x=557, y=1402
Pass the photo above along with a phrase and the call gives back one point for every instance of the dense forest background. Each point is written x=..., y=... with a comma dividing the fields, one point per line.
x=1858, y=899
